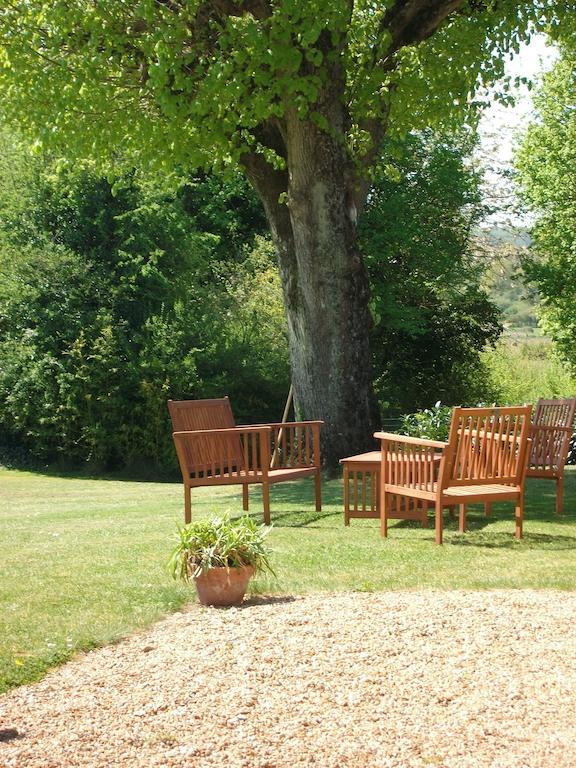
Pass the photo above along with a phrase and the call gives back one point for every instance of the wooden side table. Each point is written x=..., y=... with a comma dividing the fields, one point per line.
x=362, y=492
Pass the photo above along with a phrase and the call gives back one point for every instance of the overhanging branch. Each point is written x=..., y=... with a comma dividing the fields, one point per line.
x=411, y=21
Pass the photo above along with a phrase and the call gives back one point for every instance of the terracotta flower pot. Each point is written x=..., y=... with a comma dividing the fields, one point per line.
x=223, y=586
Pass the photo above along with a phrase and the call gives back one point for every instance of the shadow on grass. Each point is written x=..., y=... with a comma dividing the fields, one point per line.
x=293, y=519
x=492, y=540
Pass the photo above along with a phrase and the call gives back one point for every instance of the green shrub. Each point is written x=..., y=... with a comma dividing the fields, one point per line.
x=430, y=423
x=524, y=370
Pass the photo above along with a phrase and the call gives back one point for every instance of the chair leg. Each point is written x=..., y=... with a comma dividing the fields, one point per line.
x=425, y=523
x=488, y=508
x=559, y=495
x=318, y=482
x=462, y=518
x=266, y=502
x=245, y=497
x=438, y=522
x=187, y=505
x=346, y=497
x=384, y=501
x=519, y=516
x=423, y=507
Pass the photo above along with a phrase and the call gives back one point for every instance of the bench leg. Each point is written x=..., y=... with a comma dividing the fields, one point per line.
x=519, y=516
x=318, y=487
x=462, y=518
x=187, y=505
x=346, y=497
x=245, y=497
x=424, y=508
x=384, y=501
x=559, y=494
x=266, y=502
x=438, y=522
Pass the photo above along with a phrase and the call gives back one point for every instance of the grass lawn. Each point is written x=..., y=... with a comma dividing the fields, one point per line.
x=82, y=561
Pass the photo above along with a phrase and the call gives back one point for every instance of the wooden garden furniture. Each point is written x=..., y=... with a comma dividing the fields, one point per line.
x=484, y=460
x=362, y=492
x=212, y=450
x=551, y=431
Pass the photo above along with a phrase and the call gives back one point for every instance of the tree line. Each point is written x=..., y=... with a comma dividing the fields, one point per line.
x=118, y=294
x=298, y=96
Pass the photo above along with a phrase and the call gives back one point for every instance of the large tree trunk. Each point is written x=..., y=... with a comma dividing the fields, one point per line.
x=311, y=208
x=325, y=285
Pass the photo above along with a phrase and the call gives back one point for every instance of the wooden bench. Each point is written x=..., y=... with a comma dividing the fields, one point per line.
x=212, y=451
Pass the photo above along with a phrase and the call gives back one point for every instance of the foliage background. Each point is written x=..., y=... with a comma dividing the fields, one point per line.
x=114, y=299
x=546, y=165
x=115, y=296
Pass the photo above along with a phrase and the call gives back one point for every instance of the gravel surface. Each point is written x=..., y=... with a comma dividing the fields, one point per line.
x=401, y=679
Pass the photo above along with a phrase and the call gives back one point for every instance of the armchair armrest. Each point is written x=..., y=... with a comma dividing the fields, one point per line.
x=280, y=424
x=407, y=440
x=217, y=432
x=410, y=462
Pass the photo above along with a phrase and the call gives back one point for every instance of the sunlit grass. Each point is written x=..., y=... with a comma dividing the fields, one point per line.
x=525, y=369
x=82, y=561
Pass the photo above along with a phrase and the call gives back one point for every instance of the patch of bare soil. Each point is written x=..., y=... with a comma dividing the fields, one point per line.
x=394, y=680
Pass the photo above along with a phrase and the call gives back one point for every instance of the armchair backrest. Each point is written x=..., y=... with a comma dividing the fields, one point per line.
x=191, y=415
x=551, y=432
x=206, y=451
x=486, y=446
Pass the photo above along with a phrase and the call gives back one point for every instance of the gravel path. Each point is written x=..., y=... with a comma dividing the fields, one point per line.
x=394, y=680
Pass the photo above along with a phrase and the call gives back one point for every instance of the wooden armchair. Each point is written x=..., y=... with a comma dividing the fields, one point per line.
x=212, y=450
x=484, y=460
x=551, y=432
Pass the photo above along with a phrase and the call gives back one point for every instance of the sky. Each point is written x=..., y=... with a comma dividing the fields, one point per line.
x=505, y=122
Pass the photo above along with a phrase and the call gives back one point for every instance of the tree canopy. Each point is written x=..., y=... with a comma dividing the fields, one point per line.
x=299, y=94
x=547, y=166
x=198, y=82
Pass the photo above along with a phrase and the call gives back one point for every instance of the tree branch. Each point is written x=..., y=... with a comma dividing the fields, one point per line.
x=412, y=21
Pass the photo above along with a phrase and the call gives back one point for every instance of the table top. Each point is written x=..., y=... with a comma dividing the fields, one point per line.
x=372, y=457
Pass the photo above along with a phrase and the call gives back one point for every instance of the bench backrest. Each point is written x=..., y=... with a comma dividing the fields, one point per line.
x=206, y=451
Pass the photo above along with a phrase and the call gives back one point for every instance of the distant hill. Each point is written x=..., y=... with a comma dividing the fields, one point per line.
x=519, y=238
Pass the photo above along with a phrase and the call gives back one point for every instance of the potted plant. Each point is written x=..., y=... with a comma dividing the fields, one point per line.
x=220, y=555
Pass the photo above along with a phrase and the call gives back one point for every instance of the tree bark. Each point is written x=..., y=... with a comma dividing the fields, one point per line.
x=325, y=285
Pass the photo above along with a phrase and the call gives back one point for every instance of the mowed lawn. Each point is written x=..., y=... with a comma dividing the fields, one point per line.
x=82, y=561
